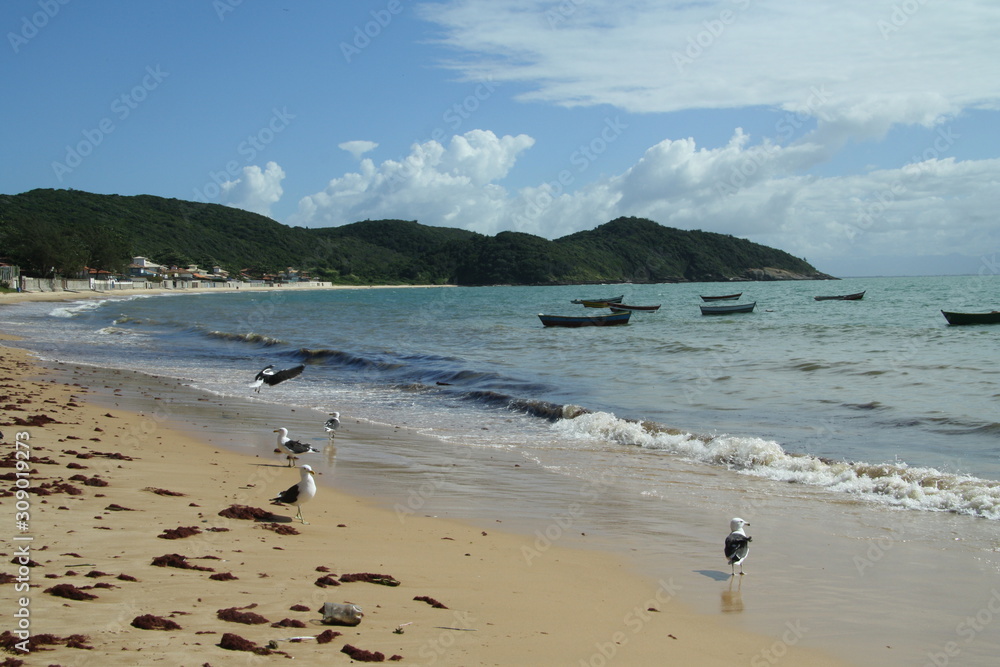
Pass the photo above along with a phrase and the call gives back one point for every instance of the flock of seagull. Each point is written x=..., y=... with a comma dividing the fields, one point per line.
x=305, y=490
x=737, y=544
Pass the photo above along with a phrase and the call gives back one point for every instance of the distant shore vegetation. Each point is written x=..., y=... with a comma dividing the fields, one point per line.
x=66, y=230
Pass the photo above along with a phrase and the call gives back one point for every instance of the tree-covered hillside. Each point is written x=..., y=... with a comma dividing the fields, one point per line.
x=69, y=229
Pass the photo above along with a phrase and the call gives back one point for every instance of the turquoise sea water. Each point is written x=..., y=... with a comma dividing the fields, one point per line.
x=860, y=439
x=877, y=398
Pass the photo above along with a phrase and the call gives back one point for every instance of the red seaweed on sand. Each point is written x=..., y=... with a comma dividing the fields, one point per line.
x=150, y=622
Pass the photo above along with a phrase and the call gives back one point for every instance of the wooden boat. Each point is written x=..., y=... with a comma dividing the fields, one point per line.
x=585, y=320
x=726, y=297
x=620, y=307
x=844, y=297
x=992, y=317
x=598, y=303
x=729, y=308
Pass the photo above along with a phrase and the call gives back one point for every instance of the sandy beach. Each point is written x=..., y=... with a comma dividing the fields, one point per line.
x=108, y=488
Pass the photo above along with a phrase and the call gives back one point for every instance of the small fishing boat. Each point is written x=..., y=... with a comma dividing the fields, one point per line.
x=620, y=307
x=725, y=297
x=992, y=317
x=843, y=297
x=727, y=309
x=585, y=320
x=598, y=303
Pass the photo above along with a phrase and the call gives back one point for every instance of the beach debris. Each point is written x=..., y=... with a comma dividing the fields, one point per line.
x=279, y=528
x=298, y=607
x=327, y=636
x=126, y=577
x=162, y=492
x=70, y=592
x=431, y=601
x=89, y=481
x=361, y=655
x=233, y=642
x=382, y=579
x=288, y=623
x=245, y=512
x=399, y=628
x=179, y=532
x=151, y=622
x=224, y=576
x=115, y=507
x=235, y=615
x=178, y=561
x=12, y=643
x=326, y=580
x=342, y=614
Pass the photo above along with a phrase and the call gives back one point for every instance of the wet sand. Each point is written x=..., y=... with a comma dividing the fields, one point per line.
x=97, y=523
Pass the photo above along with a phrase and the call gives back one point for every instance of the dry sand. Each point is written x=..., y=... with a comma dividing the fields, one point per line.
x=96, y=524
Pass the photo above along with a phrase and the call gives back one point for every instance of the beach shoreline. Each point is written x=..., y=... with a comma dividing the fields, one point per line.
x=69, y=295
x=574, y=606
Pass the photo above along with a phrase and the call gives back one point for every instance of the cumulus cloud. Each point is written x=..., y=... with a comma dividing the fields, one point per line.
x=454, y=185
x=256, y=190
x=751, y=189
x=358, y=148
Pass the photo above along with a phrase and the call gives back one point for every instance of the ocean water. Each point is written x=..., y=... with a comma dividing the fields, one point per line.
x=860, y=438
x=878, y=399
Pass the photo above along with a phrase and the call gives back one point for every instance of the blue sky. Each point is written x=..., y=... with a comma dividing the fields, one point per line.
x=863, y=136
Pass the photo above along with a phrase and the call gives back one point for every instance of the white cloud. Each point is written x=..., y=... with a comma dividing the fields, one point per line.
x=453, y=186
x=750, y=189
x=882, y=63
x=358, y=148
x=256, y=189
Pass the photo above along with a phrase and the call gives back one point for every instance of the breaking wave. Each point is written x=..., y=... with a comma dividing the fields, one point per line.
x=895, y=484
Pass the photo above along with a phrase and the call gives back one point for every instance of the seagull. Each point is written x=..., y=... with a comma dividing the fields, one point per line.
x=271, y=377
x=293, y=447
x=299, y=494
x=737, y=544
x=333, y=423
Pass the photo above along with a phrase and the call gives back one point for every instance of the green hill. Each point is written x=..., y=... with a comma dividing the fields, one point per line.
x=69, y=229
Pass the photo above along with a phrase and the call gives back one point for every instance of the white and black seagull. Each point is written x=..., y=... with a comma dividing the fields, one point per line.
x=299, y=494
x=737, y=544
x=293, y=447
x=271, y=377
x=333, y=423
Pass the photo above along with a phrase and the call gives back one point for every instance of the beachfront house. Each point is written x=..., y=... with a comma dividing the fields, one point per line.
x=144, y=268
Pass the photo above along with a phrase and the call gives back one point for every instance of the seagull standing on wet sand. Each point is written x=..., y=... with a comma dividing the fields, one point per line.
x=299, y=494
x=271, y=377
x=737, y=544
x=293, y=447
x=333, y=423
